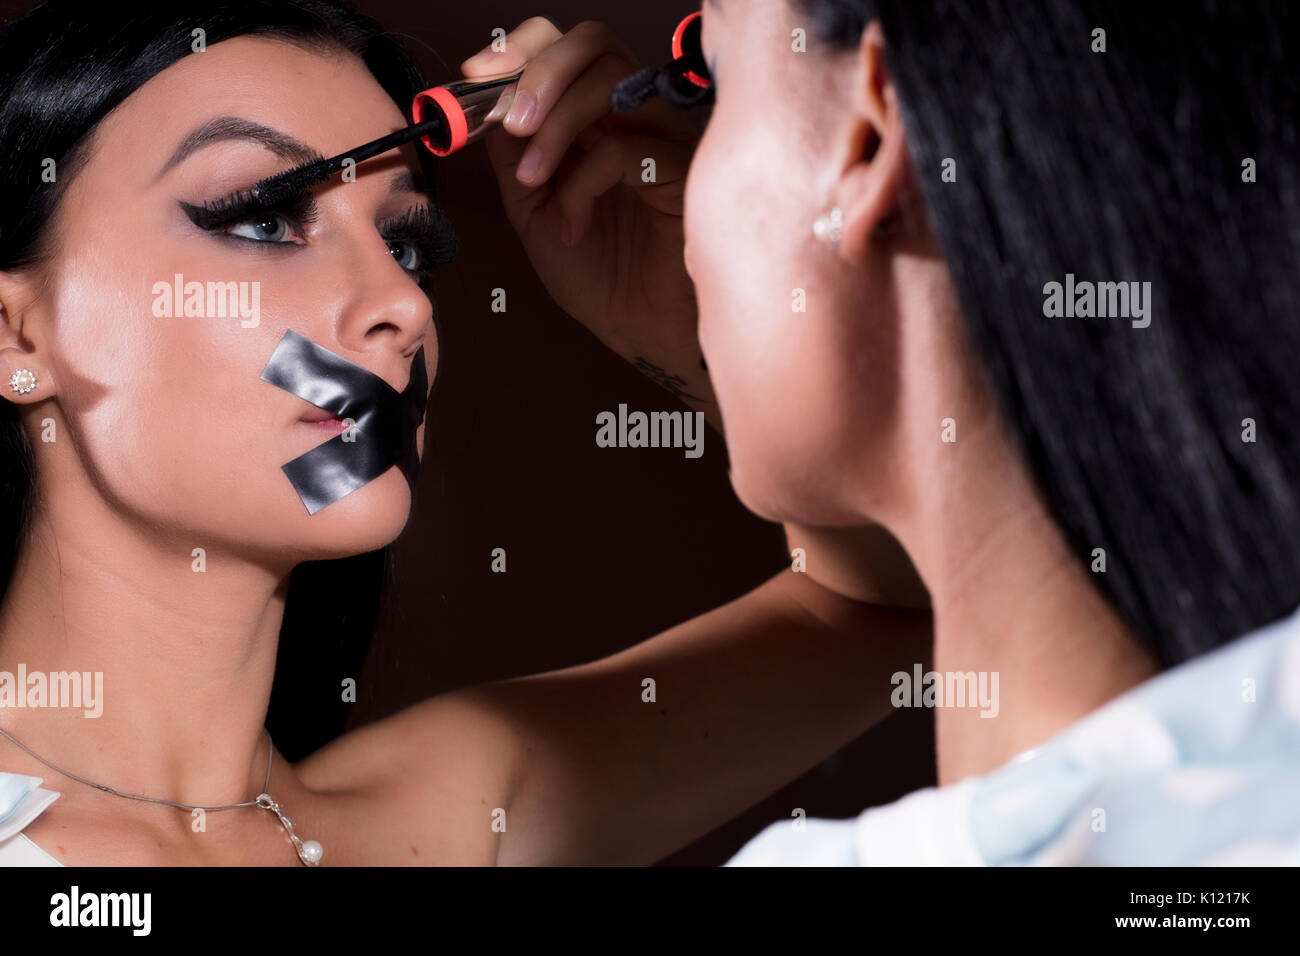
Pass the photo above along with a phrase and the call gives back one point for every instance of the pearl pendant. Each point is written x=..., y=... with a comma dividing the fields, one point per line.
x=309, y=851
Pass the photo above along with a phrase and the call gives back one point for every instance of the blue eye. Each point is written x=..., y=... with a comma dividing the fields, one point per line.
x=264, y=227
x=407, y=255
x=240, y=215
x=419, y=240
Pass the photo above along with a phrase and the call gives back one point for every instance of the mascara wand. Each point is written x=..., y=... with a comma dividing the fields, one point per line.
x=684, y=81
x=276, y=189
x=668, y=81
x=446, y=118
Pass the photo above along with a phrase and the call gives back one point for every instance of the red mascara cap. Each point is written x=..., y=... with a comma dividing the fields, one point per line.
x=445, y=102
x=681, y=40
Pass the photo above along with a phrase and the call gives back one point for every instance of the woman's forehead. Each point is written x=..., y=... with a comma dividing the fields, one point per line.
x=322, y=98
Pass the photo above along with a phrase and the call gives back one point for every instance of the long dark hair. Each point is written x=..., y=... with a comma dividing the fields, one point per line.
x=1171, y=157
x=63, y=67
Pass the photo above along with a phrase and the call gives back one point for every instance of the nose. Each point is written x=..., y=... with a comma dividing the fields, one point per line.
x=387, y=316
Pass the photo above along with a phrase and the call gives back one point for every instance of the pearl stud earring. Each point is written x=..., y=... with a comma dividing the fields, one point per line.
x=829, y=228
x=22, y=381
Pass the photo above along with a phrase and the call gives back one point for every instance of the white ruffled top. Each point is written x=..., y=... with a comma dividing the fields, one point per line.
x=21, y=801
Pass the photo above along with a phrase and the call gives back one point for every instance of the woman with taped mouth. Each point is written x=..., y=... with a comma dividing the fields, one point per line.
x=150, y=539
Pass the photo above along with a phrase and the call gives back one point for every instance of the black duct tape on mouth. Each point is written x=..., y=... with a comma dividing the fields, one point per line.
x=385, y=421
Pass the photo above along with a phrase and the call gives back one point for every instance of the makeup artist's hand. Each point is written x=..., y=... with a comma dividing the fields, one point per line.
x=608, y=245
x=606, y=242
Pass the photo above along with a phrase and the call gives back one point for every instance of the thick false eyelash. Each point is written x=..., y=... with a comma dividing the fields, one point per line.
x=242, y=204
x=429, y=230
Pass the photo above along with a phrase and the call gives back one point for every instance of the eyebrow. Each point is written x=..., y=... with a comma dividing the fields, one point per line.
x=223, y=128
x=403, y=182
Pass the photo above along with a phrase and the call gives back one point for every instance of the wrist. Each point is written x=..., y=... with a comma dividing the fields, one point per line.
x=680, y=373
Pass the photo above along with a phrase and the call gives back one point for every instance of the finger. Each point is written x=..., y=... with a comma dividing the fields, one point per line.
x=520, y=45
x=519, y=200
x=600, y=170
x=614, y=160
x=552, y=71
x=582, y=104
x=504, y=152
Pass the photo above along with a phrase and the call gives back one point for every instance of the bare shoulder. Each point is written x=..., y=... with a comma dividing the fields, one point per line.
x=425, y=785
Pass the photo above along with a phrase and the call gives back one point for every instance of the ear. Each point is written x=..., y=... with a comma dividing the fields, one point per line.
x=873, y=179
x=18, y=351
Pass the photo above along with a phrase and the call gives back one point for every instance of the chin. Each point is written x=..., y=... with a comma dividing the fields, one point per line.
x=370, y=518
x=773, y=490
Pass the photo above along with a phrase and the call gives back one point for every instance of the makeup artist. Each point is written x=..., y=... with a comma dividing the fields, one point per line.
x=1102, y=502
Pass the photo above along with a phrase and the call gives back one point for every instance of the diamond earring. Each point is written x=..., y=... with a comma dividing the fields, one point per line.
x=22, y=381
x=829, y=228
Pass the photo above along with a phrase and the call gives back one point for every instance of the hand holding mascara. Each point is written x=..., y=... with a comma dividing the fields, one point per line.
x=446, y=118
x=596, y=195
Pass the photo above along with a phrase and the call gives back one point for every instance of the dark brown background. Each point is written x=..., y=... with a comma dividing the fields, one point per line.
x=606, y=547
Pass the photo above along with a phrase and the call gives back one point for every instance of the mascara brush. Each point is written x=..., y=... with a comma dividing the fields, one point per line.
x=276, y=189
x=446, y=118
x=683, y=81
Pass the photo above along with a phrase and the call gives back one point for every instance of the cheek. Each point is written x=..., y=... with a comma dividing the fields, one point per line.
x=168, y=413
x=171, y=422
x=770, y=314
x=745, y=237
x=742, y=228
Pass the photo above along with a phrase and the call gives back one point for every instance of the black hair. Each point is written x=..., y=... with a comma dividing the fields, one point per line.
x=1162, y=150
x=63, y=67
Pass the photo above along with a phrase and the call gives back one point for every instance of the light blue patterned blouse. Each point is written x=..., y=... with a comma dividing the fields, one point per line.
x=1200, y=765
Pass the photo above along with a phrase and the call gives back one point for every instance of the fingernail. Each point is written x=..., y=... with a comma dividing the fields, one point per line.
x=521, y=110
x=482, y=55
x=501, y=110
x=529, y=163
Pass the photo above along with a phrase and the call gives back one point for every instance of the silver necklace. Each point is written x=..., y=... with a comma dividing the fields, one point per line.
x=309, y=851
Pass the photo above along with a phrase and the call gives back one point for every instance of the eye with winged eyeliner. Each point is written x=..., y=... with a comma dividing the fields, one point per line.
x=423, y=229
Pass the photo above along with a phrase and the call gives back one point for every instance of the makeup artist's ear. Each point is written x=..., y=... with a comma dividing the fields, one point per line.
x=18, y=351
x=875, y=178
